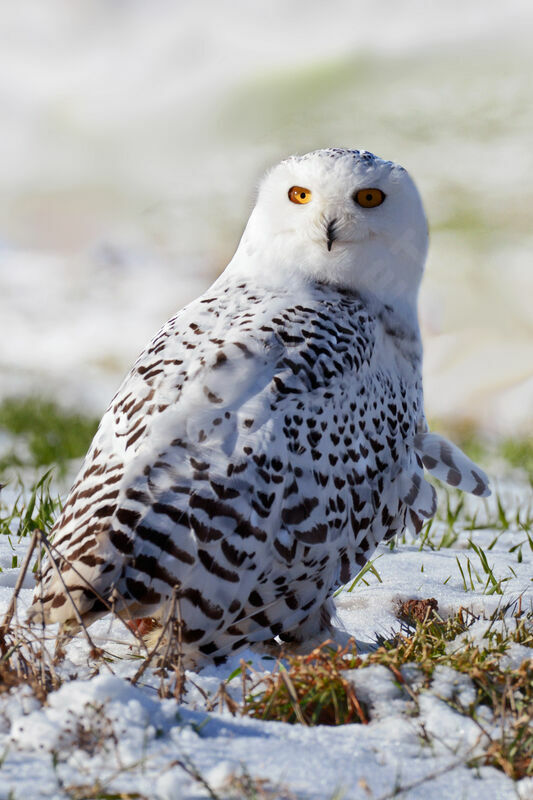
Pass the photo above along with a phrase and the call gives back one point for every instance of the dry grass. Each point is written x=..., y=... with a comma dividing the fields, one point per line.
x=25, y=661
x=245, y=787
x=24, y=658
x=507, y=692
x=312, y=689
x=512, y=751
x=96, y=791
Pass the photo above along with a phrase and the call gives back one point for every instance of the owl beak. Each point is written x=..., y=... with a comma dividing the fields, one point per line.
x=330, y=233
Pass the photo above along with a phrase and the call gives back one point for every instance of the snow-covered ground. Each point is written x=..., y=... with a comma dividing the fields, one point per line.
x=133, y=135
x=100, y=731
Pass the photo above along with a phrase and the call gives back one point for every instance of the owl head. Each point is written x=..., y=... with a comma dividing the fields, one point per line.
x=343, y=217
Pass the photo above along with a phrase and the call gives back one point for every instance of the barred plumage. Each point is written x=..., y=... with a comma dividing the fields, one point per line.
x=268, y=438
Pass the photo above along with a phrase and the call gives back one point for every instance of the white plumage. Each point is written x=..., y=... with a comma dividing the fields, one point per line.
x=273, y=432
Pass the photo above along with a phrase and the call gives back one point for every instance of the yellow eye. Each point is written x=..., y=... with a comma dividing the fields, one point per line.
x=300, y=195
x=369, y=198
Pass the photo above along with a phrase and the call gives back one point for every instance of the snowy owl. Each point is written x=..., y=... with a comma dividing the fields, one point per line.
x=273, y=431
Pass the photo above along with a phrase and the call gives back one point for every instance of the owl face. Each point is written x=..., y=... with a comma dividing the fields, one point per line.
x=344, y=217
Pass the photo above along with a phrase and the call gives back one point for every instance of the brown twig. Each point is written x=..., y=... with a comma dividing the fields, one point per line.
x=179, y=687
x=4, y=627
x=401, y=680
x=109, y=605
x=293, y=696
x=191, y=770
x=81, y=623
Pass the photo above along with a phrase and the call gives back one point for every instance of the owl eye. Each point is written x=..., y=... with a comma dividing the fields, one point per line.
x=300, y=195
x=369, y=198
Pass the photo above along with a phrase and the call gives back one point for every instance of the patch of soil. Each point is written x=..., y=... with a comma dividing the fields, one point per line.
x=415, y=610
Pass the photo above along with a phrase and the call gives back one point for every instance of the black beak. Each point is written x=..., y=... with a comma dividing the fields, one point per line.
x=330, y=232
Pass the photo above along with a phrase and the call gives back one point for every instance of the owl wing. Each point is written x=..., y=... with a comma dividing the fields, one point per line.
x=196, y=462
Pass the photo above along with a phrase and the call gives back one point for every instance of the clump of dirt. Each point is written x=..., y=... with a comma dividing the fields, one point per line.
x=8, y=678
x=417, y=610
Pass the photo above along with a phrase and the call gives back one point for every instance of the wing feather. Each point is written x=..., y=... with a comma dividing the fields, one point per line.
x=255, y=454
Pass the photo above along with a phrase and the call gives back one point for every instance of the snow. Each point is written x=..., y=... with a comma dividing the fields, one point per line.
x=99, y=727
x=311, y=762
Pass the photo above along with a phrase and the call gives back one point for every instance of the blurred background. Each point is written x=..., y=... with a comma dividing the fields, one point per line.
x=133, y=136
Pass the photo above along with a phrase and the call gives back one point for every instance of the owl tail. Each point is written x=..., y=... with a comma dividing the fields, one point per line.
x=449, y=464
